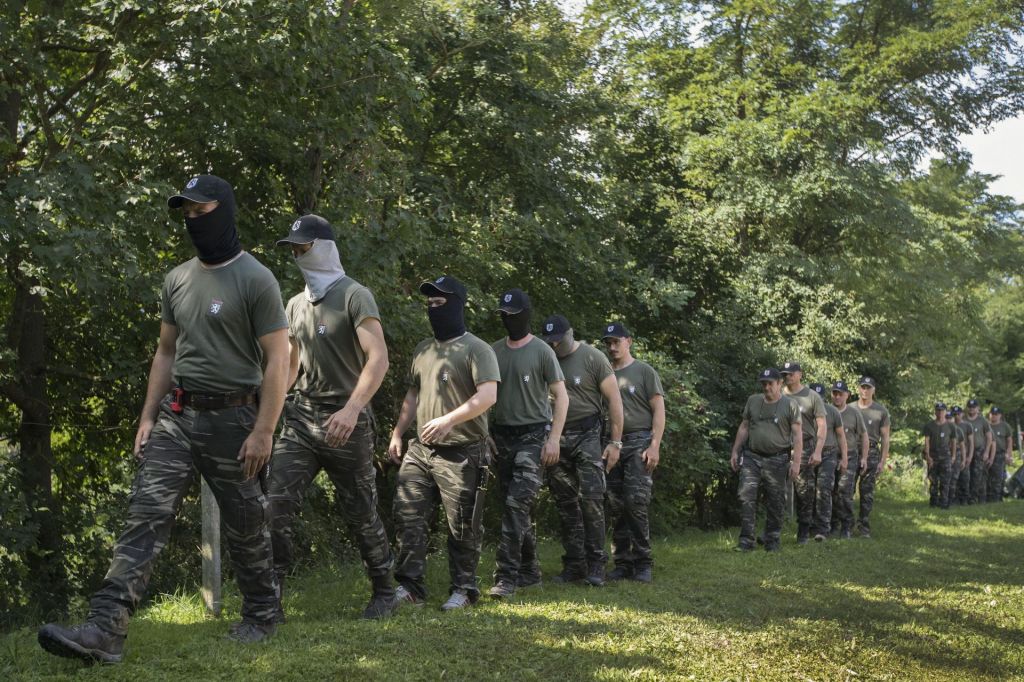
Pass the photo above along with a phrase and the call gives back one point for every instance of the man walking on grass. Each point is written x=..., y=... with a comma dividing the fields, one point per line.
x=876, y=419
x=812, y=411
x=856, y=435
x=939, y=441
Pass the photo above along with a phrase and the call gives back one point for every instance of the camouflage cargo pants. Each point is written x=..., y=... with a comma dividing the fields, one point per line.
x=450, y=476
x=963, y=484
x=842, y=494
x=867, y=478
x=941, y=480
x=520, y=475
x=979, y=478
x=629, y=496
x=299, y=454
x=771, y=472
x=814, y=490
x=179, y=445
x=996, y=478
x=955, y=468
x=577, y=484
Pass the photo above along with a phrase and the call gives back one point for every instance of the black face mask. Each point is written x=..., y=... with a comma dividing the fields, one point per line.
x=517, y=325
x=214, y=234
x=447, y=320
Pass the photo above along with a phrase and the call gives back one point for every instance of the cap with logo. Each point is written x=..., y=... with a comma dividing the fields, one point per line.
x=306, y=229
x=513, y=301
x=554, y=328
x=995, y=410
x=818, y=388
x=790, y=368
x=866, y=381
x=616, y=330
x=445, y=285
x=841, y=386
x=202, y=189
x=769, y=374
x=940, y=406
x=973, y=402
x=957, y=409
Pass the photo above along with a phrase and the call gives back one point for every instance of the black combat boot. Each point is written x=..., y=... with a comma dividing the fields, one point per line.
x=384, y=601
x=87, y=641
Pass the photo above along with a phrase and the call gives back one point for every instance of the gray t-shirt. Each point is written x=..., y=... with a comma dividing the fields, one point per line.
x=330, y=357
x=770, y=424
x=584, y=370
x=526, y=373
x=446, y=375
x=979, y=426
x=833, y=421
x=1000, y=432
x=811, y=407
x=220, y=314
x=940, y=438
x=854, y=427
x=875, y=418
x=638, y=383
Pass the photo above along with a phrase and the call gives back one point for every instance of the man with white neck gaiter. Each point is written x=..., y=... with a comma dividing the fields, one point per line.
x=338, y=344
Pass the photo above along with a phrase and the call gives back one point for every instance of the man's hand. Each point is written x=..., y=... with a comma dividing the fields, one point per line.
x=880, y=469
x=734, y=461
x=255, y=453
x=863, y=463
x=610, y=457
x=142, y=437
x=395, y=450
x=651, y=456
x=549, y=454
x=435, y=430
x=340, y=425
x=794, y=469
x=815, y=459
x=843, y=464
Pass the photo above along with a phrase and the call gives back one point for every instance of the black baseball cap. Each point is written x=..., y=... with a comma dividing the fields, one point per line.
x=818, y=388
x=616, y=330
x=940, y=406
x=841, y=386
x=445, y=285
x=769, y=374
x=790, y=367
x=513, y=301
x=203, y=189
x=973, y=402
x=866, y=381
x=957, y=409
x=306, y=229
x=555, y=328
x=995, y=410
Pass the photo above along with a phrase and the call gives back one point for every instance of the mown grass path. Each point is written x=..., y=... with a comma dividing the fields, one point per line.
x=933, y=596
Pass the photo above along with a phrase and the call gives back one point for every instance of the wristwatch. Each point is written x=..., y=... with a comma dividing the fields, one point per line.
x=616, y=443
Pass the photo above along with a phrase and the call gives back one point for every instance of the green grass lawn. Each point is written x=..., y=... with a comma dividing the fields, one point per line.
x=933, y=596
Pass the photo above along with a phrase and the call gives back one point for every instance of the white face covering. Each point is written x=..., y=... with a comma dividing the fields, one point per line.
x=321, y=268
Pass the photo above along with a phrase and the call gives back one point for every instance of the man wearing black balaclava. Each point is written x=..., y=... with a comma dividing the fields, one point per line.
x=210, y=406
x=526, y=432
x=452, y=383
x=339, y=359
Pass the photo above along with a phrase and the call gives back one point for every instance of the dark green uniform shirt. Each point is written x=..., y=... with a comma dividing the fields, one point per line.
x=811, y=407
x=330, y=357
x=220, y=314
x=1000, y=432
x=965, y=431
x=770, y=424
x=446, y=375
x=526, y=373
x=875, y=418
x=833, y=421
x=854, y=428
x=979, y=426
x=940, y=438
x=584, y=369
x=638, y=383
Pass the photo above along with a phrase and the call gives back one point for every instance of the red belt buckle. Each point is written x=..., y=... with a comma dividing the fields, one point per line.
x=176, y=405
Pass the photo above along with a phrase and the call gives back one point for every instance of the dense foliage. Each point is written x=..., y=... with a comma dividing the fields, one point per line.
x=738, y=181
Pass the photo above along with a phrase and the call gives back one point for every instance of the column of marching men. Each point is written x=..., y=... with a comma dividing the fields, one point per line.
x=528, y=411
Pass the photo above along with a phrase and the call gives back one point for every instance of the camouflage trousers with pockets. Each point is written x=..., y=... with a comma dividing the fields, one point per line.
x=577, y=484
x=629, y=497
x=299, y=454
x=979, y=478
x=939, y=481
x=772, y=473
x=520, y=476
x=814, y=490
x=451, y=476
x=996, y=479
x=842, y=493
x=867, y=477
x=206, y=441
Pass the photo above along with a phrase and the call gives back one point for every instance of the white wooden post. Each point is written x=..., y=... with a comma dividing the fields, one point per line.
x=211, y=550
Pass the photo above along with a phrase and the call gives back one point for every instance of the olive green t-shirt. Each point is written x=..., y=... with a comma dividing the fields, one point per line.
x=526, y=373
x=330, y=357
x=940, y=438
x=220, y=314
x=875, y=418
x=770, y=424
x=638, y=383
x=854, y=428
x=965, y=430
x=979, y=426
x=584, y=369
x=811, y=407
x=833, y=421
x=1000, y=432
x=446, y=375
